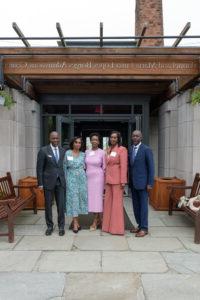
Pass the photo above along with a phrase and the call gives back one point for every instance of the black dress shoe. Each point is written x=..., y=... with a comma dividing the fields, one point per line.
x=49, y=231
x=61, y=232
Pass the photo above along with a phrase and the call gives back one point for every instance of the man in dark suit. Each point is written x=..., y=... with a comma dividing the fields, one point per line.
x=141, y=179
x=51, y=178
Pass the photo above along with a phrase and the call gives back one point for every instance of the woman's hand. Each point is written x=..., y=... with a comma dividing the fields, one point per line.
x=122, y=186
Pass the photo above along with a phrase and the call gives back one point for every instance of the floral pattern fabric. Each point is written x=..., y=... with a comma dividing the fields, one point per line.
x=76, y=184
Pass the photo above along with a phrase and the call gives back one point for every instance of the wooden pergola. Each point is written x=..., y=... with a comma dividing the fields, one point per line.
x=161, y=72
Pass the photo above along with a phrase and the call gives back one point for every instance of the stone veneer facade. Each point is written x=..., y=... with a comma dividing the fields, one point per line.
x=179, y=138
x=149, y=12
x=20, y=136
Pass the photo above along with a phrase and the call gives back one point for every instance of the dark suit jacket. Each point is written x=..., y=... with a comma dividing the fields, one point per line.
x=141, y=170
x=48, y=170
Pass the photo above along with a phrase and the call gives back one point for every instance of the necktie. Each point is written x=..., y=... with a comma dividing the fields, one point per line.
x=56, y=154
x=134, y=152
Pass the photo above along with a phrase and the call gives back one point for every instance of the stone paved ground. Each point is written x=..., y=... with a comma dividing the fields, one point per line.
x=99, y=266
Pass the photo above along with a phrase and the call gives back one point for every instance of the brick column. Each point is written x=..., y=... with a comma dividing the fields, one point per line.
x=150, y=12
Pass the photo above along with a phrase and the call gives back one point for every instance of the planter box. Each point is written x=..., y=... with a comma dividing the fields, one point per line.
x=26, y=181
x=159, y=196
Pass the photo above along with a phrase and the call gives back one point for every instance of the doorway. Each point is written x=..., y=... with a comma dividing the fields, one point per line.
x=104, y=128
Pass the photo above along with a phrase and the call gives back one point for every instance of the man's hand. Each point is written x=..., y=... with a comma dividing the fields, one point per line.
x=149, y=188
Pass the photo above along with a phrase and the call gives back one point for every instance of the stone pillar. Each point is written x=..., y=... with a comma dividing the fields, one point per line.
x=20, y=136
x=149, y=12
x=179, y=138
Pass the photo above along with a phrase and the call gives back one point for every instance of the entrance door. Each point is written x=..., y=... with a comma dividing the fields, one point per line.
x=104, y=128
x=65, y=128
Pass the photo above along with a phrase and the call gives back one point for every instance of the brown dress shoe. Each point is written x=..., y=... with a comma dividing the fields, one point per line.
x=134, y=230
x=141, y=233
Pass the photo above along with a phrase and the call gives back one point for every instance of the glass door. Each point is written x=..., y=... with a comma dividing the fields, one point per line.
x=65, y=128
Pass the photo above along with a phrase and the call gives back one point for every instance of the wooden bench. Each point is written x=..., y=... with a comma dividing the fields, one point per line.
x=195, y=191
x=11, y=204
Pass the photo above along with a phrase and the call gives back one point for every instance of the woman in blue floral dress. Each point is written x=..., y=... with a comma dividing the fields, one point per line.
x=76, y=184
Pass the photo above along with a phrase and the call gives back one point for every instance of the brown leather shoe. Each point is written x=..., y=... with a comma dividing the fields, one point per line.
x=134, y=230
x=141, y=233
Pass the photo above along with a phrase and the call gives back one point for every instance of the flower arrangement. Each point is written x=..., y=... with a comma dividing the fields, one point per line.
x=193, y=203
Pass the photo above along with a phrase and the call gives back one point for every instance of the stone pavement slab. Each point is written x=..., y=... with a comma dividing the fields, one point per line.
x=31, y=286
x=5, y=245
x=171, y=286
x=155, y=221
x=171, y=231
x=59, y=261
x=101, y=243
x=30, y=229
x=53, y=242
x=155, y=244
x=101, y=286
x=189, y=244
x=19, y=261
x=26, y=219
x=138, y=262
x=183, y=262
x=177, y=220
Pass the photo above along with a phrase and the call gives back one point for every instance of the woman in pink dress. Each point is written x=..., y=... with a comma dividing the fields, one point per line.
x=95, y=169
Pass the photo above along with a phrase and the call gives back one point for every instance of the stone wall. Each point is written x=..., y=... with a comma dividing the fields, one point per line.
x=179, y=138
x=151, y=13
x=20, y=136
x=153, y=140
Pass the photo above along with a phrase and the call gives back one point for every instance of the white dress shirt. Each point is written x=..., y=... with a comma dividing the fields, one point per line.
x=136, y=147
x=53, y=149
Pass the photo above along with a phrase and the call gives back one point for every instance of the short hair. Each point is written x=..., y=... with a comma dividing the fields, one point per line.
x=95, y=134
x=119, y=138
x=73, y=140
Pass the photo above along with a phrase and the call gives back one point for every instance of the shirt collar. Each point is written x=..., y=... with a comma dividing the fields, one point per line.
x=53, y=147
x=137, y=146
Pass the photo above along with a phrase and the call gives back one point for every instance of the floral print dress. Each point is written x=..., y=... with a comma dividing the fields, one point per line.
x=76, y=184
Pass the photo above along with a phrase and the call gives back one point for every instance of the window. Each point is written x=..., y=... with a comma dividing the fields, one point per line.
x=116, y=109
x=85, y=109
x=55, y=109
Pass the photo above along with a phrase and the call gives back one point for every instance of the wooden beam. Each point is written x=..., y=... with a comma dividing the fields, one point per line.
x=101, y=34
x=14, y=81
x=99, y=51
x=183, y=32
x=186, y=82
x=59, y=29
x=103, y=65
x=20, y=34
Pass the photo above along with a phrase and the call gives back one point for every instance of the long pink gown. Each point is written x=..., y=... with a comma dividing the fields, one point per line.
x=95, y=169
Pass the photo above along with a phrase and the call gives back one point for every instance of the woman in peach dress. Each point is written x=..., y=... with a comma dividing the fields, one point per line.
x=115, y=179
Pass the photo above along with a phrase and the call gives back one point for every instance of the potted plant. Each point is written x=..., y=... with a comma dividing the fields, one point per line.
x=8, y=99
x=195, y=96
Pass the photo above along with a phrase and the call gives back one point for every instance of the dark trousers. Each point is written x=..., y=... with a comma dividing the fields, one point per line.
x=140, y=207
x=59, y=193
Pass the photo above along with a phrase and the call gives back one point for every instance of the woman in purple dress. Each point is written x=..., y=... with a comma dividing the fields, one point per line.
x=95, y=169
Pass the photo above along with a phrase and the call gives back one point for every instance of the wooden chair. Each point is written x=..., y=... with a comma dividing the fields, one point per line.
x=11, y=204
x=195, y=191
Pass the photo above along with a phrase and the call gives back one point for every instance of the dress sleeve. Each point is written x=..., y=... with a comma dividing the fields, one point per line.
x=123, y=156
